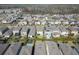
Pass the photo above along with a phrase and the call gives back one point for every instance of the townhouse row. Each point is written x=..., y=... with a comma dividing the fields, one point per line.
x=39, y=31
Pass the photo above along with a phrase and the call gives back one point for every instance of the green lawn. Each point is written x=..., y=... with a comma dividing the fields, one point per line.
x=23, y=40
x=64, y=39
x=15, y=39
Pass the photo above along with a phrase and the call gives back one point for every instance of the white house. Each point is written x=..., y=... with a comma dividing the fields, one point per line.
x=74, y=30
x=55, y=31
x=8, y=20
x=37, y=22
x=23, y=22
x=16, y=31
x=52, y=21
x=64, y=31
x=72, y=22
x=40, y=31
x=56, y=34
x=32, y=32
x=48, y=33
x=4, y=21
x=65, y=22
x=8, y=33
x=57, y=21
x=43, y=22
x=24, y=31
x=3, y=30
x=31, y=22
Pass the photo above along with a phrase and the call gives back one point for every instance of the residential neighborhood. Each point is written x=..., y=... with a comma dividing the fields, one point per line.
x=38, y=34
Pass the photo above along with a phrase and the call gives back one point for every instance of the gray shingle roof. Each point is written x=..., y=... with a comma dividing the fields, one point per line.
x=66, y=49
x=24, y=29
x=40, y=48
x=52, y=48
x=16, y=28
x=13, y=49
x=9, y=32
x=3, y=29
x=3, y=48
x=26, y=50
x=32, y=31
